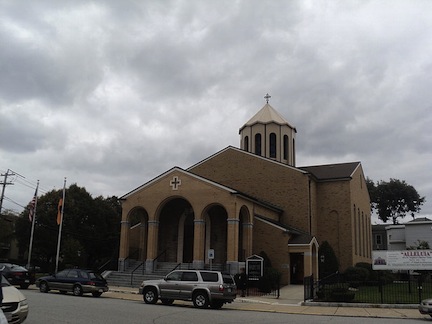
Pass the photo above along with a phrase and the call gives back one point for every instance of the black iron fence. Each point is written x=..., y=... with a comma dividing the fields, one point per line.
x=262, y=287
x=384, y=290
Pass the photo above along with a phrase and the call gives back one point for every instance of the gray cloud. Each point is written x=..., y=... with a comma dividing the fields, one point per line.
x=111, y=94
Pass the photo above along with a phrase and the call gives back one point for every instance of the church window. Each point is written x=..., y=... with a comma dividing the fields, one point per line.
x=246, y=144
x=293, y=150
x=258, y=144
x=285, y=147
x=378, y=239
x=273, y=145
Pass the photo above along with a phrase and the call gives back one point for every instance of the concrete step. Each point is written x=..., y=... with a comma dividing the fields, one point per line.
x=127, y=279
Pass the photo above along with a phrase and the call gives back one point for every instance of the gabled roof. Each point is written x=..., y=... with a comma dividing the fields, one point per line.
x=177, y=169
x=267, y=115
x=329, y=172
x=419, y=220
x=250, y=154
x=208, y=181
x=298, y=237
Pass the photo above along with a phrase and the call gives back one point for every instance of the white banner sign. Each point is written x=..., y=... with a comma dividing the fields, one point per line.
x=402, y=260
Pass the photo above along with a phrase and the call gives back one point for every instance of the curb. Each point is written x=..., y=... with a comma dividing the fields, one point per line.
x=361, y=305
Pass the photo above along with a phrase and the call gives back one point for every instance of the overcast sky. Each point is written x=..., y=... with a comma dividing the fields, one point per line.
x=110, y=94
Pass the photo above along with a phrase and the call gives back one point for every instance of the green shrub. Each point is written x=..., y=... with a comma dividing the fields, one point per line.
x=269, y=281
x=356, y=274
x=328, y=262
x=339, y=292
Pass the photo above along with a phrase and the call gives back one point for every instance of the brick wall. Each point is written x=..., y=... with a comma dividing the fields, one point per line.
x=274, y=243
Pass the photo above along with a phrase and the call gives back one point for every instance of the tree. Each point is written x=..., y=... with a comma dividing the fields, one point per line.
x=90, y=233
x=6, y=233
x=328, y=262
x=394, y=199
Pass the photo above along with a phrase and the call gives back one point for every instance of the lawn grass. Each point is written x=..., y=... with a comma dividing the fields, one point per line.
x=398, y=292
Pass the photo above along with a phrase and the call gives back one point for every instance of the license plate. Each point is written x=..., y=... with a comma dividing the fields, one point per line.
x=27, y=281
x=229, y=289
x=100, y=290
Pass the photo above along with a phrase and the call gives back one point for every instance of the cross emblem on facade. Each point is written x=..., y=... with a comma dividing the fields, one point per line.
x=175, y=183
x=267, y=97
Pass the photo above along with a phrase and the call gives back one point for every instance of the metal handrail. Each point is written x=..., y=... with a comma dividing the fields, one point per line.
x=159, y=255
x=104, y=265
x=133, y=271
x=178, y=265
x=136, y=252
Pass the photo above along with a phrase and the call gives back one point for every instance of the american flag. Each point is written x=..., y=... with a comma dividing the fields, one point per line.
x=32, y=206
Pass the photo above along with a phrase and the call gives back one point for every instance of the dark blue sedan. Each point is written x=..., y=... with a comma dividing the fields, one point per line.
x=77, y=281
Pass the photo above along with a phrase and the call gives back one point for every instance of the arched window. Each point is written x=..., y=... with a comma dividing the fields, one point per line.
x=246, y=144
x=285, y=147
x=258, y=144
x=273, y=145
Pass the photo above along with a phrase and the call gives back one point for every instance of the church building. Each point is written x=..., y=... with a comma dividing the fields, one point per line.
x=240, y=202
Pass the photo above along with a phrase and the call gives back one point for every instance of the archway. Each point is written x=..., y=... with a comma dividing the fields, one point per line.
x=176, y=232
x=138, y=232
x=216, y=233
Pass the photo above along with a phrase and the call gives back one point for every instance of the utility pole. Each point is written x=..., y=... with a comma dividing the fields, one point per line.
x=5, y=183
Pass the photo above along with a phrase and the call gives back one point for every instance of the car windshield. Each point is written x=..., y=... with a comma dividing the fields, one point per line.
x=15, y=267
x=4, y=282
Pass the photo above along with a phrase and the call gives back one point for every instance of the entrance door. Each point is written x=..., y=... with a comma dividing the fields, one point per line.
x=297, y=268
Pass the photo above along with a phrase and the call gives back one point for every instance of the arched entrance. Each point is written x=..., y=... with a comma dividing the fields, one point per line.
x=216, y=233
x=176, y=231
x=138, y=233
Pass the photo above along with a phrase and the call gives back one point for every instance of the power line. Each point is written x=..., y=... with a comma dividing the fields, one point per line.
x=14, y=202
x=6, y=183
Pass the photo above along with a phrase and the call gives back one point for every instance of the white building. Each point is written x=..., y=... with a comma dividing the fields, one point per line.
x=404, y=236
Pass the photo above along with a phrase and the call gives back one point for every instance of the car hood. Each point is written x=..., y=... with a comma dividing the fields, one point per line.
x=11, y=294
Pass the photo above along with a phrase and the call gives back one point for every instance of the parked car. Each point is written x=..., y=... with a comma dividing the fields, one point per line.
x=17, y=275
x=425, y=307
x=14, y=304
x=202, y=287
x=77, y=281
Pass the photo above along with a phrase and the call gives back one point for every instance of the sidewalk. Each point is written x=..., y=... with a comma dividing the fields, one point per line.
x=291, y=302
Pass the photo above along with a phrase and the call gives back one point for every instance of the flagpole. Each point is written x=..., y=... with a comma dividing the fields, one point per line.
x=61, y=225
x=32, y=227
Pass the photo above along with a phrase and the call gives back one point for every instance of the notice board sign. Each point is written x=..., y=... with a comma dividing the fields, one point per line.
x=402, y=260
x=254, y=267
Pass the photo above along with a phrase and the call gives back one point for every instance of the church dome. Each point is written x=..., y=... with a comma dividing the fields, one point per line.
x=268, y=134
x=267, y=115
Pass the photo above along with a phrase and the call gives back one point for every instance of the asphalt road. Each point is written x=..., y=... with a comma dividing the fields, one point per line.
x=57, y=308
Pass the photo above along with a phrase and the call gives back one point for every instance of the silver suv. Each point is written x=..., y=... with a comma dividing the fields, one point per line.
x=203, y=287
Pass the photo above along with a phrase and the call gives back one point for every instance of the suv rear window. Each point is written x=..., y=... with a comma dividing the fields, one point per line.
x=228, y=279
x=209, y=276
x=189, y=276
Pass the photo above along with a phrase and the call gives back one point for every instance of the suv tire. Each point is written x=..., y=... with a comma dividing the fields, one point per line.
x=150, y=296
x=200, y=299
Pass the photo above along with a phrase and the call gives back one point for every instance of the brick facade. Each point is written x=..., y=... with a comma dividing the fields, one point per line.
x=239, y=204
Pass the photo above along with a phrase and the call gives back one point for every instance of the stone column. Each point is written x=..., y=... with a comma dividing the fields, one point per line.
x=152, y=244
x=124, y=245
x=232, y=244
x=142, y=241
x=199, y=244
